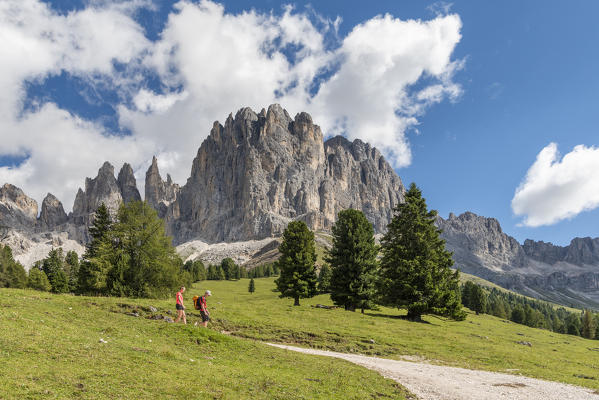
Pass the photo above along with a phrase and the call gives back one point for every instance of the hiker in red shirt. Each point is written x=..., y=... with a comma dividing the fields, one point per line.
x=180, y=307
x=203, y=310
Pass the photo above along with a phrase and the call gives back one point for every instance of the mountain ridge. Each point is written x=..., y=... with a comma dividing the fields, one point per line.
x=258, y=171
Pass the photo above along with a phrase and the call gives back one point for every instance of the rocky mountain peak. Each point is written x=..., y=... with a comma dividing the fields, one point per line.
x=14, y=197
x=17, y=210
x=583, y=251
x=102, y=189
x=477, y=240
x=127, y=184
x=106, y=170
x=52, y=214
x=257, y=172
x=159, y=194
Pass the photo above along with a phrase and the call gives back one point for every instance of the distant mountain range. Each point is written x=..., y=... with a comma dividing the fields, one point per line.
x=259, y=171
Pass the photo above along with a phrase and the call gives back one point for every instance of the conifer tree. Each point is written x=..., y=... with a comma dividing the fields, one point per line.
x=478, y=300
x=72, y=269
x=252, y=286
x=228, y=267
x=38, y=280
x=92, y=271
x=588, y=325
x=297, y=263
x=220, y=273
x=324, y=279
x=415, y=267
x=142, y=261
x=53, y=266
x=12, y=273
x=199, y=271
x=353, y=261
x=573, y=324
x=518, y=315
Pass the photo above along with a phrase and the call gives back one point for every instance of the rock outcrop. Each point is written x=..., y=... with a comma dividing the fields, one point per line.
x=52, y=214
x=357, y=176
x=17, y=210
x=102, y=189
x=160, y=194
x=568, y=275
x=127, y=184
x=259, y=171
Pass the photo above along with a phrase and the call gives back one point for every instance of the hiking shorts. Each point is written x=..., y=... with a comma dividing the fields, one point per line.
x=205, y=317
x=179, y=307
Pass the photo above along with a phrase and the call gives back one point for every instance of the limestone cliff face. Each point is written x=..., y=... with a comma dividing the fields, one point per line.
x=127, y=184
x=17, y=210
x=159, y=194
x=477, y=240
x=52, y=214
x=357, y=176
x=102, y=189
x=567, y=275
x=259, y=171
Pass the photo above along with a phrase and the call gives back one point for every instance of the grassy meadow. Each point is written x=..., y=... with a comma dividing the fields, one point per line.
x=50, y=347
x=481, y=342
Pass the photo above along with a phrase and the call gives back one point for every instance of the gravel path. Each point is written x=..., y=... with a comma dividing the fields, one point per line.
x=436, y=382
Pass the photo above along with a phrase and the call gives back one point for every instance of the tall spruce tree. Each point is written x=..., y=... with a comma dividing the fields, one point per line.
x=72, y=269
x=53, y=266
x=252, y=286
x=142, y=261
x=353, y=261
x=415, y=266
x=297, y=263
x=93, y=271
x=478, y=300
x=12, y=273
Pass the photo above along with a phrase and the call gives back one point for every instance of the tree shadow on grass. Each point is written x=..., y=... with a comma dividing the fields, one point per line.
x=399, y=317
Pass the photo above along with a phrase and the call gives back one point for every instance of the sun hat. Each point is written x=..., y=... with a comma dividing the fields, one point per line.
x=208, y=292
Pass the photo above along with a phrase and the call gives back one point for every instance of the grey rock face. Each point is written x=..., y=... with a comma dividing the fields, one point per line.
x=567, y=275
x=17, y=210
x=477, y=240
x=357, y=176
x=127, y=184
x=52, y=214
x=160, y=194
x=544, y=252
x=102, y=189
x=259, y=171
x=581, y=251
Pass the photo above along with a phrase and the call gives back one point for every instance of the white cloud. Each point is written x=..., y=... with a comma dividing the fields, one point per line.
x=555, y=189
x=370, y=97
x=209, y=63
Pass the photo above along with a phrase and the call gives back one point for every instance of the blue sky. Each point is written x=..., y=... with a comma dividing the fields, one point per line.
x=501, y=82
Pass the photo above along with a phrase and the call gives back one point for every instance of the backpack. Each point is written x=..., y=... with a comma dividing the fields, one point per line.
x=196, y=302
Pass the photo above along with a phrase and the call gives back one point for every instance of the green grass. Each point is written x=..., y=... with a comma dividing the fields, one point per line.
x=50, y=348
x=481, y=342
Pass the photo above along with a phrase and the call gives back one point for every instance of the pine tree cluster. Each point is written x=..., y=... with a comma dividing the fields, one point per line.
x=529, y=312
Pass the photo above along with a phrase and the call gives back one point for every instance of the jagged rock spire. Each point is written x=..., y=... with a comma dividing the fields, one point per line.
x=159, y=194
x=52, y=214
x=127, y=184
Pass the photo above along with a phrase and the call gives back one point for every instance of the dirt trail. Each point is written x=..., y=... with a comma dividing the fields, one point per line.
x=436, y=382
